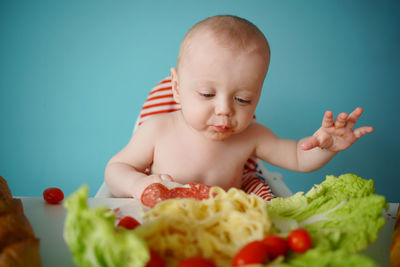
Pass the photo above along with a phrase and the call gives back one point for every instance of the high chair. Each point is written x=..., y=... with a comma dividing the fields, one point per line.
x=256, y=178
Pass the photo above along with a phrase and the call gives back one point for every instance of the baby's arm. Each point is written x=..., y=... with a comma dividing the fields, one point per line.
x=313, y=152
x=124, y=174
x=287, y=153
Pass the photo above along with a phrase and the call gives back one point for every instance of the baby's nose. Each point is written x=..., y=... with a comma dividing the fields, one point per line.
x=223, y=107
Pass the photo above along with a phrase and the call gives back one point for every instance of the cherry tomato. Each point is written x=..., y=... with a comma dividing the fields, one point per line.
x=252, y=253
x=299, y=240
x=196, y=262
x=53, y=195
x=128, y=222
x=155, y=260
x=276, y=246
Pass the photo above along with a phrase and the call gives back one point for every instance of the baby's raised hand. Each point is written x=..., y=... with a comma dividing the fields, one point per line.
x=337, y=135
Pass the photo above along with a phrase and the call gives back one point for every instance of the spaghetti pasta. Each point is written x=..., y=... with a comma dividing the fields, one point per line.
x=214, y=228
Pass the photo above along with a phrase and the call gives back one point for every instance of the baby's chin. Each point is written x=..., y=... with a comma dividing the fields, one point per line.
x=217, y=136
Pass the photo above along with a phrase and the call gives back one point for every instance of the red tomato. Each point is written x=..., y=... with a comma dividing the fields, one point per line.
x=252, y=253
x=53, y=195
x=299, y=240
x=196, y=262
x=155, y=260
x=128, y=222
x=276, y=246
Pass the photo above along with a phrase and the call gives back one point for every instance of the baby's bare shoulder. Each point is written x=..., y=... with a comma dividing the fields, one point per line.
x=158, y=122
x=256, y=128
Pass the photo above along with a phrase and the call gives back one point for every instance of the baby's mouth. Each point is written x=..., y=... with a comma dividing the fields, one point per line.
x=222, y=128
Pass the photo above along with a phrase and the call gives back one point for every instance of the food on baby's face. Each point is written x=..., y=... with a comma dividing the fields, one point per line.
x=53, y=195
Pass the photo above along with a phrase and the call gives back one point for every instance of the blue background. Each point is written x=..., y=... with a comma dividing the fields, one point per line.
x=74, y=75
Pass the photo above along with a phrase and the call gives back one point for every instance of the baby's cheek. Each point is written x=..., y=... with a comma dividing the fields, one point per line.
x=240, y=127
x=200, y=120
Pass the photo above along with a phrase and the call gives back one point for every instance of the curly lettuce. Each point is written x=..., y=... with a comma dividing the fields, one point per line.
x=93, y=239
x=343, y=216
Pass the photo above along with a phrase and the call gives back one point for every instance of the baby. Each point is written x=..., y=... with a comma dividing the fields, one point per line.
x=221, y=67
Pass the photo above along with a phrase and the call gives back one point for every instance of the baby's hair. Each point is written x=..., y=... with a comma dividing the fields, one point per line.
x=229, y=31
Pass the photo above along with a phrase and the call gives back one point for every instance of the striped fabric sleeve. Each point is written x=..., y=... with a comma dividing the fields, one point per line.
x=160, y=100
x=253, y=180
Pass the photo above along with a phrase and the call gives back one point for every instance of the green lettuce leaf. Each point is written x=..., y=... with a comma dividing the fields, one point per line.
x=332, y=258
x=93, y=240
x=343, y=216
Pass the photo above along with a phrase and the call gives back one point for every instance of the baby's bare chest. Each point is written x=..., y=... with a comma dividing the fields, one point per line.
x=214, y=164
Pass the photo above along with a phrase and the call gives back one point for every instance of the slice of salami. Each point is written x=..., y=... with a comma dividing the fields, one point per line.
x=157, y=192
x=182, y=192
x=201, y=191
x=154, y=194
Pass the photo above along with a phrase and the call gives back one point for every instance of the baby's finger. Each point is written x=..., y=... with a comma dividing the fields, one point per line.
x=353, y=117
x=363, y=131
x=327, y=121
x=310, y=143
x=341, y=120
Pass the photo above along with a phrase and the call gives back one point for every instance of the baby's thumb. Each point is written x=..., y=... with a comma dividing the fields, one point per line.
x=310, y=143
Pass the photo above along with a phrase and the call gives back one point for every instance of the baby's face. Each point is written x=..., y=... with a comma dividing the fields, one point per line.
x=219, y=87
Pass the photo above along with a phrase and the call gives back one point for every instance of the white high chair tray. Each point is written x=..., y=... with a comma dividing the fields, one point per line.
x=48, y=223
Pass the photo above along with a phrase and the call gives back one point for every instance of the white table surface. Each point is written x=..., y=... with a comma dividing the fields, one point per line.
x=48, y=223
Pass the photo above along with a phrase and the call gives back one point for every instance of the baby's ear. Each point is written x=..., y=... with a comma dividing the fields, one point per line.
x=175, y=84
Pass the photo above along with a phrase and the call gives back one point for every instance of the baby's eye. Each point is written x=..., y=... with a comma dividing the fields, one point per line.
x=242, y=100
x=207, y=95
